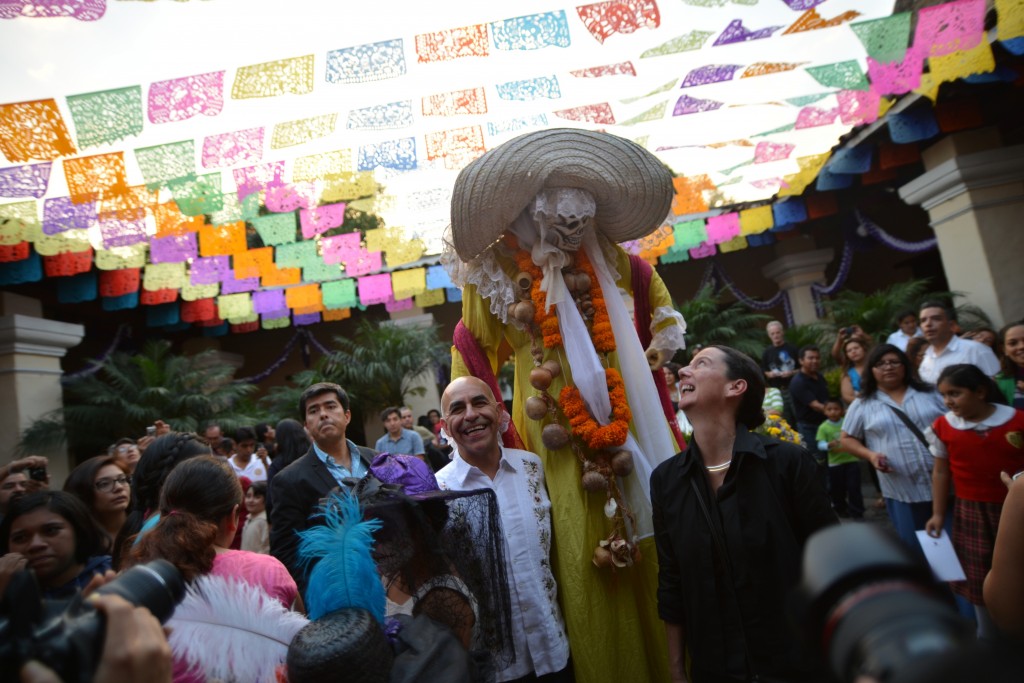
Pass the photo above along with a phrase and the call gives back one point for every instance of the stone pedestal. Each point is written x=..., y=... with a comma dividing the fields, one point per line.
x=30, y=372
x=975, y=199
x=795, y=273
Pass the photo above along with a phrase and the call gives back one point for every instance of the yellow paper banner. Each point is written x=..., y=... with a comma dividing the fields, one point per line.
x=754, y=221
x=431, y=297
x=190, y=292
x=271, y=79
x=163, y=276
x=408, y=283
x=956, y=65
x=234, y=305
x=122, y=257
x=323, y=166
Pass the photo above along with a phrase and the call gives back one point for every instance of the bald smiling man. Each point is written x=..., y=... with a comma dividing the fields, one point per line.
x=473, y=419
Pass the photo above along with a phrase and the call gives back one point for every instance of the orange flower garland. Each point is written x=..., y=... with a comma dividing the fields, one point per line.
x=596, y=436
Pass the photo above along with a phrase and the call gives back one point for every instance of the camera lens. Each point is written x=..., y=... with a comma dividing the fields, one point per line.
x=156, y=585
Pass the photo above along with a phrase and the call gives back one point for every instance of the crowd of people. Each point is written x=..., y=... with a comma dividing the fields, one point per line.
x=574, y=537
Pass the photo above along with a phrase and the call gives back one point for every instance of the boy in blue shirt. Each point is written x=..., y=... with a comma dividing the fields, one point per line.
x=843, y=467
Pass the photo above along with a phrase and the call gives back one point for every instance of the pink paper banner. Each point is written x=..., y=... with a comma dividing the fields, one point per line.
x=252, y=179
x=341, y=248
x=589, y=113
x=857, y=106
x=950, y=27
x=812, y=117
x=285, y=198
x=723, y=228
x=771, y=151
x=896, y=78
x=231, y=149
x=320, y=219
x=182, y=98
x=620, y=69
x=363, y=263
x=374, y=289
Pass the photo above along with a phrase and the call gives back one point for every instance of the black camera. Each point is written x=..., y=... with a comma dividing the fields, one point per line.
x=37, y=473
x=848, y=331
x=872, y=609
x=67, y=635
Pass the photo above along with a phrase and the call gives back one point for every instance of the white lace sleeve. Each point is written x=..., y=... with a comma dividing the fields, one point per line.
x=491, y=281
x=671, y=337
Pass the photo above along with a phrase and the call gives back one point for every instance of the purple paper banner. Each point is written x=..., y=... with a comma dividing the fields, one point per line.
x=370, y=62
x=173, y=248
x=735, y=32
x=29, y=180
x=713, y=73
x=231, y=285
x=122, y=233
x=182, y=98
x=801, y=5
x=693, y=105
x=83, y=10
x=60, y=214
x=210, y=270
x=268, y=301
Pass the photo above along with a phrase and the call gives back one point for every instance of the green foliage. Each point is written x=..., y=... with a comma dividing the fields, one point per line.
x=876, y=312
x=130, y=392
x=709, y=321
x=378, y=367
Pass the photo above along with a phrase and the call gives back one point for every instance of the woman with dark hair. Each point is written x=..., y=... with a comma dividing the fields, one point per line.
x=292, y=443
x=198, y=518
x=266, y=436
x=161, y=456
x=854, y=354
x=199, y=507
x=885, y=426
x=1011, y=356
x=53, y=534
x=105, y=489
x=751, y=497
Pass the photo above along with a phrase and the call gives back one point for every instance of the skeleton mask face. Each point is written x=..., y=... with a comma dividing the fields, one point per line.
x=563, y=216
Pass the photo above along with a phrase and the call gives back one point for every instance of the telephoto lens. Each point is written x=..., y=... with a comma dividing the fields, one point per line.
x=156, y=585
x=873, y=609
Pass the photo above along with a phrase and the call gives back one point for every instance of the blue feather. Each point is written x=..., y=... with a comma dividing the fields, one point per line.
x=345, y=575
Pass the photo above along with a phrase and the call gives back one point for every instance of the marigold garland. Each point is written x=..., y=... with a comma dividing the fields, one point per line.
x=596, y=436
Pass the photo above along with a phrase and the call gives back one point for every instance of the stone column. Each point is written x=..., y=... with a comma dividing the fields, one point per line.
x=973, y=191
x=30, y=351
x=799, y=266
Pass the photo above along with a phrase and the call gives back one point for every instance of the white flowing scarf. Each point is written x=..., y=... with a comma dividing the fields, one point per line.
x=653, y=443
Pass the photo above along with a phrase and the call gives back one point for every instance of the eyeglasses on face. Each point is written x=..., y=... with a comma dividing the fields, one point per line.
x=107, y=484
x=888, y=364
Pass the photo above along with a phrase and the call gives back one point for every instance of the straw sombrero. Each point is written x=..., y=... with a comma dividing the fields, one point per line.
x=633, y=189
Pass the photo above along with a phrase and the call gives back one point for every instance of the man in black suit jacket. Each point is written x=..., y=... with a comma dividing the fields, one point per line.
x=298, y=489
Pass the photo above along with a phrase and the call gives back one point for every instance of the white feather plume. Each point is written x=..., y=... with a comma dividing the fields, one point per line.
x=230, y=630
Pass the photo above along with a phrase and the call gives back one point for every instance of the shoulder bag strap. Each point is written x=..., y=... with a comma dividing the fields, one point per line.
x=910, y=424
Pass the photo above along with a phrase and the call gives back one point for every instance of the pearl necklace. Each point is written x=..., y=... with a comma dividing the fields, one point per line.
x=718, y=468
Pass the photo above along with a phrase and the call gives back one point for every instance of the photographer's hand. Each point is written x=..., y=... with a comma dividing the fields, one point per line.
x=135, y=649
x=9, y=565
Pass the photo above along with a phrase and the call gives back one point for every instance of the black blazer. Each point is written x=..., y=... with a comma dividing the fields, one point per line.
x=297, y=491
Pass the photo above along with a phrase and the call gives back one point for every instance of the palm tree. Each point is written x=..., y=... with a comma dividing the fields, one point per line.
x=378, y=367
x=709, y=321
x=131, y=391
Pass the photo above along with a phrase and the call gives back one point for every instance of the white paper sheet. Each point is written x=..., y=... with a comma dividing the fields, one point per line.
x=941, y=556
